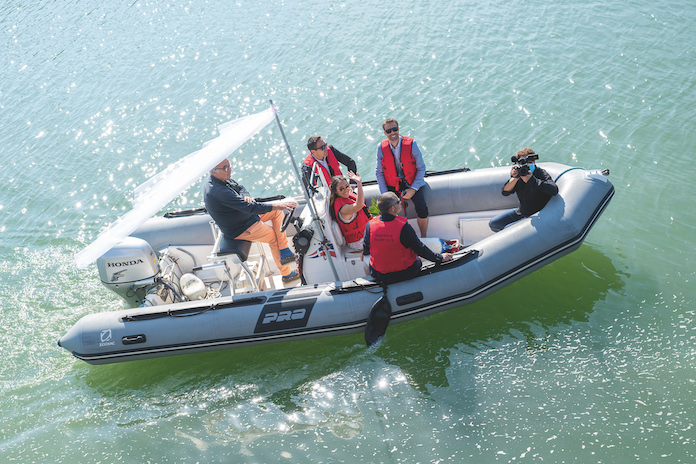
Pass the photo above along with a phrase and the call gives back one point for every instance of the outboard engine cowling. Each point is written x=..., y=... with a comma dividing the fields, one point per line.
x=129, y=269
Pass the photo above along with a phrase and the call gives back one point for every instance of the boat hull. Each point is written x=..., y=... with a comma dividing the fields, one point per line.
x=336, y=308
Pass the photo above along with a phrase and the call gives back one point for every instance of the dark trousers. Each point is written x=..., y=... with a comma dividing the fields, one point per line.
x=392, y=277
x=418, y=200
x=500, y=221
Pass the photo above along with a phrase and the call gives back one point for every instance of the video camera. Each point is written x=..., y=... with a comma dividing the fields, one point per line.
x=522, y=164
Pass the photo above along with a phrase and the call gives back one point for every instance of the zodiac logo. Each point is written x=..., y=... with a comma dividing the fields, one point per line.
x=105, y=335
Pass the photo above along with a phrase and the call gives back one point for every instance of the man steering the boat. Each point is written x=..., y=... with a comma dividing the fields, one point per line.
x=534, y=188
x=326, y=158
x=393, y=245
x=240, y=217
x=400, y=169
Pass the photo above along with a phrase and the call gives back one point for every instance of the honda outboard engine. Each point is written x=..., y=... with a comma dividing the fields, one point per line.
x=129, y=269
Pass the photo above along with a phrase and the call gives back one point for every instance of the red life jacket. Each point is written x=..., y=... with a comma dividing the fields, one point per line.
x=355, y=229
x=408, y=164
x=387, y=254
x=332, y=162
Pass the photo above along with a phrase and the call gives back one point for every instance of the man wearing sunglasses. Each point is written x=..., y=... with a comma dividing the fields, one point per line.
x=326, y=158
x=400, y=169
x=393, y=246
x=240, y=217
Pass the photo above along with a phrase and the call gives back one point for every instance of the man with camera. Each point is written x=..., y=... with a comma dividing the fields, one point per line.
x=533, y=186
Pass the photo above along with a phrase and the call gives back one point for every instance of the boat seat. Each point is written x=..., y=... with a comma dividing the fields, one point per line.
x=337, y=233
x=234, y=246
x=234, y=253
x=341, y=243
x=355, y=265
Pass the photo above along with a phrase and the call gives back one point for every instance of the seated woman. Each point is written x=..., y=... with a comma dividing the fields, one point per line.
x=349, y=210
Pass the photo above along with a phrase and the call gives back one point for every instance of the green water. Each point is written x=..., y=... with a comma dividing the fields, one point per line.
x=591, y=359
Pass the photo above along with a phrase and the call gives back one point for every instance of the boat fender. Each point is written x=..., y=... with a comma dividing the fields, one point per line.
x=192, y=287
x=378, y=320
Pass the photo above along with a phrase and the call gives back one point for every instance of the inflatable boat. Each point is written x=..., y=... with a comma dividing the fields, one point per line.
x=186, y=295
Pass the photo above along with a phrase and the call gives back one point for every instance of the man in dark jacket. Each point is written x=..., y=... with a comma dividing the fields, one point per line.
x=240, y=217
x=324, y=158
x=533, y=190
x=393, y=245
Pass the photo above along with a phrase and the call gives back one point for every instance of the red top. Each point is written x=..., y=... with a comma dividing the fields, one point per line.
x=355, y=229
x=387, y=254
x=331, y=160
x=408, y=164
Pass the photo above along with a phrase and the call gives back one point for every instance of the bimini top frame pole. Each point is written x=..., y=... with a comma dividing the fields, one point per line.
x=310, y=202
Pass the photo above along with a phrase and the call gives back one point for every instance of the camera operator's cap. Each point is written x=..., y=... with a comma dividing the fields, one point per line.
x=386, y=201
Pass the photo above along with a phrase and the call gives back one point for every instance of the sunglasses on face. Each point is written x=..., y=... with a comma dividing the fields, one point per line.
x=226, y=168
x=393, y=129
x=323, y=147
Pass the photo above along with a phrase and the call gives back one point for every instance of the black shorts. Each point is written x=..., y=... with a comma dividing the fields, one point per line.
x=418, y=200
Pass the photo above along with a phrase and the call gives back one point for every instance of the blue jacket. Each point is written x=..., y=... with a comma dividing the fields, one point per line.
x=226, y=205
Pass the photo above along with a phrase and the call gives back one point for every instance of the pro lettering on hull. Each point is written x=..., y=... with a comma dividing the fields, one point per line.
x=285, y=315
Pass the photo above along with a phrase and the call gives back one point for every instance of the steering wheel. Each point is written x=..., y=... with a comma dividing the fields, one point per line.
x=286, y=220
